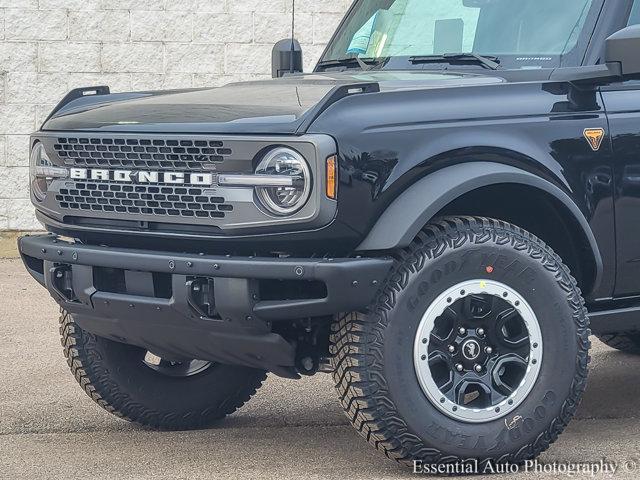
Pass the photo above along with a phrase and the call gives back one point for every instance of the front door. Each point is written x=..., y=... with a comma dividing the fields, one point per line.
x=622, y=102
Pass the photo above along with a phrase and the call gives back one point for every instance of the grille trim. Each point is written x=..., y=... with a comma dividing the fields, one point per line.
x=142, y=152
x=173, y=202
x=159, y=200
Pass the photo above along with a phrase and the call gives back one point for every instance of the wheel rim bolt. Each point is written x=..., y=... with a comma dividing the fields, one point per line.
x=481, y=332
x=462, y=331
x=459, y=367
x=488, y=350
x=478, y=368
x=452, y=349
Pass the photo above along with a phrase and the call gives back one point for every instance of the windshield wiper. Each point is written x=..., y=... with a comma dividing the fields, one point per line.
x=351, y=62
x=490, y=62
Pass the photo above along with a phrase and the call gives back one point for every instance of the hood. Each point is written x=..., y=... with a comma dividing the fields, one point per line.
x=279, y=106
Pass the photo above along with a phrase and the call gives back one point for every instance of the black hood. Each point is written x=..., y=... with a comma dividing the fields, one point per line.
x=281, y=106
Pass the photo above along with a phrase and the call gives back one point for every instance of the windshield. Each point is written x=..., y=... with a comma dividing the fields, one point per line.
x=521, y=33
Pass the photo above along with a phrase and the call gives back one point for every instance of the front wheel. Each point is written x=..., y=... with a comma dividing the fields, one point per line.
x=476, y=348
x=141, y=387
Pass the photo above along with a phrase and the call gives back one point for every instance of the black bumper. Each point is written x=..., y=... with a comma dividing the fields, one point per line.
x=196, y=306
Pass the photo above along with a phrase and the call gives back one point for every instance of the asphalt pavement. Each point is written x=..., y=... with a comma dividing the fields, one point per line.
x=292, y=429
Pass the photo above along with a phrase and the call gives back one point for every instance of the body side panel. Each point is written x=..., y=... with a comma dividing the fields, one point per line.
x=390, y=140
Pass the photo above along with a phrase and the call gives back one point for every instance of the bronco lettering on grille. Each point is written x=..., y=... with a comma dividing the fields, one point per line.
x=142, y=176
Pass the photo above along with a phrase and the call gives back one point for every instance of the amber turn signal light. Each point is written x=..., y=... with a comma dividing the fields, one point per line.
x=332, y=177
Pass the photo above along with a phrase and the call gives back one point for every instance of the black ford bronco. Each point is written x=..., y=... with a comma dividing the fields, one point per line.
x=435, y=215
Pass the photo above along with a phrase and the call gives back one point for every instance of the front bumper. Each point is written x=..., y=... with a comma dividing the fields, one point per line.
x=197, y=306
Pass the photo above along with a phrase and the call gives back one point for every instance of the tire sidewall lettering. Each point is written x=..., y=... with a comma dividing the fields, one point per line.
x=435, y=277
x=527, y=425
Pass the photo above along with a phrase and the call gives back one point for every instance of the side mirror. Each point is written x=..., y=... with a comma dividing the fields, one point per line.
x=623, y=48
x=286, y=58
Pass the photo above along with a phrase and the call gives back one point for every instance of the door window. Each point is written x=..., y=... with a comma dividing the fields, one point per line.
x=634, y=19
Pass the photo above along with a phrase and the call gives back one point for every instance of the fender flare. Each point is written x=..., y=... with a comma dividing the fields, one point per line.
x=421, y=202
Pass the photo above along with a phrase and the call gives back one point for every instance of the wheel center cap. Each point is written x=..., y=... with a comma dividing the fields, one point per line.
x=471, y=349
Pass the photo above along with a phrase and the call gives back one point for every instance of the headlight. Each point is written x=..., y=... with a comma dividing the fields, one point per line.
x=42, y=172
x=292, y=170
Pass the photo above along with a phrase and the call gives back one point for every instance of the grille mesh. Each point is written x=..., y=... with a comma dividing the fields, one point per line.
x=142, y=153
x=172, y=201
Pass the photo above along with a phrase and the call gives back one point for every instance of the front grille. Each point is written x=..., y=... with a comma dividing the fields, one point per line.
x=147, y=153
x=163, y=182
x=172, y=201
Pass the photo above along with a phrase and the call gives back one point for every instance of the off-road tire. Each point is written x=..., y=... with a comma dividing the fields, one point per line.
x=628, y=342
x=113, y=376
x=373, y=361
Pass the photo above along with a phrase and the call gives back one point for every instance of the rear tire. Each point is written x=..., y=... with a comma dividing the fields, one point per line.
x=116, y=377
x=627, y=342
x=377, y=355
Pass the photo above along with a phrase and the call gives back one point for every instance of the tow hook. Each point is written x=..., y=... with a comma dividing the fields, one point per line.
x=62, y=282
x=201, y=297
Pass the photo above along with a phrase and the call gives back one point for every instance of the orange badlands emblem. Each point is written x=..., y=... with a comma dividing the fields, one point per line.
x=594, y=136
